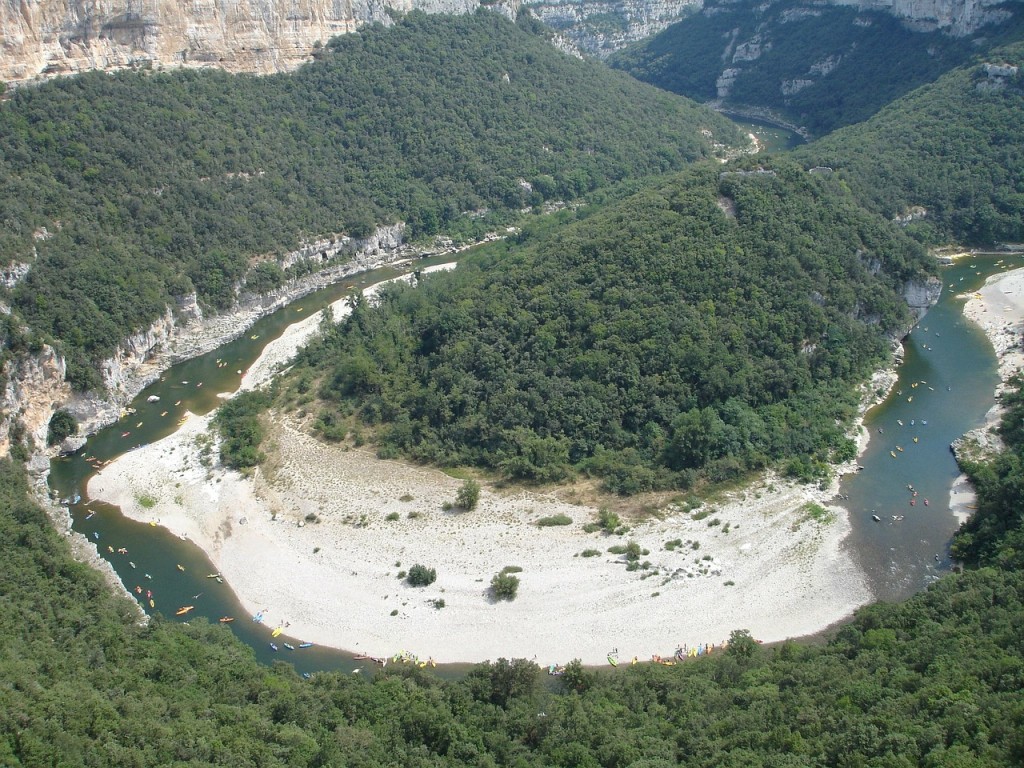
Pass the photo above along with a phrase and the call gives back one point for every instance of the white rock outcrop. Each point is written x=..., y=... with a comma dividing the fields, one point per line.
x=49, y=37
x=35, y=389
x=955, y=17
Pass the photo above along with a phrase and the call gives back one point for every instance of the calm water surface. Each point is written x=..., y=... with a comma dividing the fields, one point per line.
x=773, y=138
x=945, y=387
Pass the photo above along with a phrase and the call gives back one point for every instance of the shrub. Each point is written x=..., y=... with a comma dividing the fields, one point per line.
x=590, y=552
x=421, y=576
x=608, y=520
x=391, y=516
x=504, y=586
x=468, y=495
x=633, y=551
x=558, y=519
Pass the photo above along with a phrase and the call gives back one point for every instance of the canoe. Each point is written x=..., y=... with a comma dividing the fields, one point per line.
x=184, y=609
x=613, y=661
x=226, y=619
x=289, y=646
x=181, y=567
x=310, y=645
x=273, y=647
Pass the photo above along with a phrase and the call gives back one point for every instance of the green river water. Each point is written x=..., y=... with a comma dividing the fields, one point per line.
x=948, y=358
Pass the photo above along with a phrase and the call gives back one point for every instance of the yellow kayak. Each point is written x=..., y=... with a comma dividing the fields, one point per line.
x=277, y=632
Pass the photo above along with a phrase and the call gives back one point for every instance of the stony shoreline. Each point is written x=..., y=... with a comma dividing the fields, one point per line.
x=998, y=309
x=332, y=528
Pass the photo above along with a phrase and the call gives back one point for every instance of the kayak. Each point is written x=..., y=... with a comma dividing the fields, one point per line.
x=184, y=609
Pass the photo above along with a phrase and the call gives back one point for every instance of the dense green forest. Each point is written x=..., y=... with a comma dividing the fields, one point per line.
x=955, y=147
x=151, y=185
x=935, y=681
x=701, y=328
x=711, y=323
x=850, y=62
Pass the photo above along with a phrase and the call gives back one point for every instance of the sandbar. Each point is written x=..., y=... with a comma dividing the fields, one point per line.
x=317, y=537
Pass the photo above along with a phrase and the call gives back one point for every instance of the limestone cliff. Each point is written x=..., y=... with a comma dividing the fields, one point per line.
x=36, y=387
x=955, y=17
x=40, y=38
x=47, y=37
x=601, y=27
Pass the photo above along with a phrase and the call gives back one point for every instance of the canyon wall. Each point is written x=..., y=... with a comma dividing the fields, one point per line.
x=42, y=38
x=35, y=382
x=52, y=37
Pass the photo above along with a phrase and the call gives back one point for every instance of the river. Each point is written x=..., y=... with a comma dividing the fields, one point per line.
x=948, y=359
x=772, y=137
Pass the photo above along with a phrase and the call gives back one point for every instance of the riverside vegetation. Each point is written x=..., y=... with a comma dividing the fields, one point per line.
x=934, y=681
x=129, y=190
x=708, y=326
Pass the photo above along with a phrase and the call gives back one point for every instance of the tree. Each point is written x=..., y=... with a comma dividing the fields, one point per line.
x=742, y=644
x=468, y=495
x=62, y=425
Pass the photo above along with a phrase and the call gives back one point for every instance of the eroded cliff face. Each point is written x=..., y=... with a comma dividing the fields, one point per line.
x=35, y=383
x=601, y=27
x=956, y=17
x=41, y=38
x=49, y=37
x=35, y=389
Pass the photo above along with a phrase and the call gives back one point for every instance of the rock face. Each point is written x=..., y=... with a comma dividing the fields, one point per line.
x=955, y=17
x=48, y=37
x=920, y=295
x=40, y=38
x=601, y=27
x=35, y=389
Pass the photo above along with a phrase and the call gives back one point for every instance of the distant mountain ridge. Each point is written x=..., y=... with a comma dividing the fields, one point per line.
x=816, y=65
x=42, y=38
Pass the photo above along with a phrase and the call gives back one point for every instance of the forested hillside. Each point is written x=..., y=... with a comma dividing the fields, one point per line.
x=819, y=66
x=955, y=147
x=137, y=187
x=707, y=326
x=934, y=681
